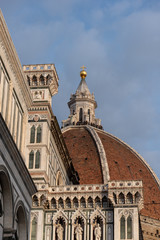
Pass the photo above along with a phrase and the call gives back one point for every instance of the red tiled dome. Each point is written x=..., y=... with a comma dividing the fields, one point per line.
x=124, y=163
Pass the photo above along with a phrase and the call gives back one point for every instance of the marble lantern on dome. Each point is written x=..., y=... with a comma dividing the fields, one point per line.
x=82, y=106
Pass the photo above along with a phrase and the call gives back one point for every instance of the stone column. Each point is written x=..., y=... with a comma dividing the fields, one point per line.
x=104, y=230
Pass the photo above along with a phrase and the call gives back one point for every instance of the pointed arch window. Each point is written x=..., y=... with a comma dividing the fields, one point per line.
x=80, y=114
x=97, y=202
x=37, y=161
x=32, y=135
x=68, y=203
x=31, y=159
x=129, y=198
x=34, y=229
x=90, y=202
x=60, y=203
x=121, y=198
x=35, y=201
x=122, y=227
x=129, y=227
x=34, y=81
x=53, y=203
x=137, y=197
x=83, y=202
x=75, y=202
x=41, y=80
x=39, y=134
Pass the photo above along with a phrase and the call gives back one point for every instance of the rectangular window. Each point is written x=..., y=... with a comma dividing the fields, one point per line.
x=37, y=162
x=129, y=227
x=34, y=230
x=31, y=160
x=122, y=227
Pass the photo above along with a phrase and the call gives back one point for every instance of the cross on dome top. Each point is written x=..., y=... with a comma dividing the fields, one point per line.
x=83, y=67
x=83, y=73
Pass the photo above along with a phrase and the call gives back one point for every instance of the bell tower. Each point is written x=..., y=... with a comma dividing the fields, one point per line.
x=82, y=105
x=42, y=80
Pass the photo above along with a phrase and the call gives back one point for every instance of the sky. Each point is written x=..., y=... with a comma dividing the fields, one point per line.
x=119, y=43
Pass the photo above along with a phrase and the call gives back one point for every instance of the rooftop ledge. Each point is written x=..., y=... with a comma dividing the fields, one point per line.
x=91, y=187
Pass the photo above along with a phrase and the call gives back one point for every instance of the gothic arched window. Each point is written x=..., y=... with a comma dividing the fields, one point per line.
x=68, y=203
x=42, y=200
x=34, y=81
x=97, y=202
x=122, y=227
x=60, y=203
x=39, y=134
x=75, y=202
x=37, y=161
x=48, y=79
x=32, y=135
x=41, y=80
x=121, y=198
x=137, y=197
x=34, y=229
x=83, y=202
x=90, y=202
x=129, y=198
x=129, y=227
x=80, y=114
x=53, y=203
x=31, y=159
x=35, y=201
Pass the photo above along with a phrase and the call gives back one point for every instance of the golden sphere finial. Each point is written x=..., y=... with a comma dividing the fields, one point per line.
x=83, y=73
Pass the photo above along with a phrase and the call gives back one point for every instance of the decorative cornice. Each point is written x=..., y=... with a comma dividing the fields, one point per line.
x=9, y=50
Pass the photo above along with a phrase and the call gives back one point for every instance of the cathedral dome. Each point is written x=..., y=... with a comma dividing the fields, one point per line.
x=100, y=157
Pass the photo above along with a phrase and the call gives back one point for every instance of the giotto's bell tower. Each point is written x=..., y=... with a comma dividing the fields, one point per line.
x=42, y=80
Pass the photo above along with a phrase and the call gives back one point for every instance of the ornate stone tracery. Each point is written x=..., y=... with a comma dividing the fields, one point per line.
x=60, y=222
x=98, y=220
x=78, y=220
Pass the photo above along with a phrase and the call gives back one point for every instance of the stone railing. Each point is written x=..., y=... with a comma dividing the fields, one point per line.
x=125, y=184
x=38, y=67
x=74, y=188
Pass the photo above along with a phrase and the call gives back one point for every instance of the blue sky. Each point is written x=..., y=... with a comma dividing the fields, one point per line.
x=119, y=43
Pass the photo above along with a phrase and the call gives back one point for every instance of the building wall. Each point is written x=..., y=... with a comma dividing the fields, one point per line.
x=16, y=185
